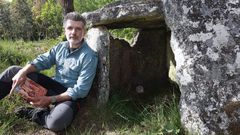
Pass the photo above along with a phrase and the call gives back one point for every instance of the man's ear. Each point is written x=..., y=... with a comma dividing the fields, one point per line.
x=84, y=32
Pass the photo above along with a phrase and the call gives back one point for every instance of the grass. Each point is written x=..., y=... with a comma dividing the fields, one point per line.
x=121, y=115
x=9, y=123
x=20, y=52
x=158, y=115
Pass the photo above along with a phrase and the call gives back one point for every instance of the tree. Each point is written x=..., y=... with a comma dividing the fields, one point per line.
x=48, y=22
x=67, y=6
x=90, y=5
x=21, y=18
x=5, y=22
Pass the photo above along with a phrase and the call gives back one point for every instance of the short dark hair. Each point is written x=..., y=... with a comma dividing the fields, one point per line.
x=74, y=16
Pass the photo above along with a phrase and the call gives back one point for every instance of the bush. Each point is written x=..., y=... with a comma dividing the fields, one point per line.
x=90, y=5
x=48, y=22
x=21, y=18
x=5, y=22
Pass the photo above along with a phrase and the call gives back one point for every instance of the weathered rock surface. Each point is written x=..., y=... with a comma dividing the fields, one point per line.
x=205, y=40
x=99, y=40
x=143, y=67
x=128, y=13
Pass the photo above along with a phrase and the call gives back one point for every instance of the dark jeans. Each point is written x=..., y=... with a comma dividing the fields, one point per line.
x=60, y=116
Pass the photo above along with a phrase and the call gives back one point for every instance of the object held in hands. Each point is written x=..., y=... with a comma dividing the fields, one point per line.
x=31, y=89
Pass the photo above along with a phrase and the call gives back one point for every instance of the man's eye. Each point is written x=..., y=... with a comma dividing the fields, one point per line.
x=69, y=28
x=79, y=29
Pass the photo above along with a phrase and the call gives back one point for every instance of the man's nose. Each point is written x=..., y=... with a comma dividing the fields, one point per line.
x=73, y=31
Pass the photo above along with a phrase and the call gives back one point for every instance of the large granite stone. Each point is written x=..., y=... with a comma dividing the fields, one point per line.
x=205, y=41
x=99, y=40
x=128, y=13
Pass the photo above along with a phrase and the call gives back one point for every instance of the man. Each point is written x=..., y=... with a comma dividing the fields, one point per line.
x=74, y=73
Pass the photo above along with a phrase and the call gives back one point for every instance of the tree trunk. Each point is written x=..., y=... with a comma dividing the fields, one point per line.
x=67, y=6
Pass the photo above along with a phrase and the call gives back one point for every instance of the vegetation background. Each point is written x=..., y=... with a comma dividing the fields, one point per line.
x=28, y=28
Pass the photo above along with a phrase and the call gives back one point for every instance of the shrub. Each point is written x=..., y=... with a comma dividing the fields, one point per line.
x=48, y=22
x=4, y=20
x=21, y=18
x=90, y=5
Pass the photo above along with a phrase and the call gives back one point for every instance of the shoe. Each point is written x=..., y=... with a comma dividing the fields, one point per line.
x=33, y=114
x=24, y=112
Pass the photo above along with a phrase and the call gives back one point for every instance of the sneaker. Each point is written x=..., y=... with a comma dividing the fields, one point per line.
x=24, y=112
x=33, y=114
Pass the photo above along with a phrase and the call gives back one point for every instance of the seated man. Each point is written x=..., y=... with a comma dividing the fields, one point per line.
x=75, y=69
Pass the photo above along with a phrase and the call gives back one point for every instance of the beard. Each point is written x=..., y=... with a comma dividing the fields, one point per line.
x=74, y=41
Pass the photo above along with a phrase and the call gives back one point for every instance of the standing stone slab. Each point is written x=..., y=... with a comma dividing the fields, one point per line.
x=99, y=40
x=128, y=13
x=206, y=42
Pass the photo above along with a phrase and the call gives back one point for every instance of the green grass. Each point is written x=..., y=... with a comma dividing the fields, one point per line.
x=156, y=115
x=9, y=123
x=161, y=118
x=121, y=115
x=20, y=52
x=126, y=116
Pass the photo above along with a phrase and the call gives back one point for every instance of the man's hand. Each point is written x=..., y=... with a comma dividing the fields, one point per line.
x=18, y=79
x=43, y=101
x=21, y=76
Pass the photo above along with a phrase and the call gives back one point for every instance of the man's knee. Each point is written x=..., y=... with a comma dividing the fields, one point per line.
x=60, y=117
x=7, y=75
x=55, y=125
x=12, y=70
x=14, y=67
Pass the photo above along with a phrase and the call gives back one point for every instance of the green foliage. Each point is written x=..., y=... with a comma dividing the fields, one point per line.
x=21, y=18
x=90, y=5
x=48, y=24
x=5, y=22
x=127, y=34
x=28, y=20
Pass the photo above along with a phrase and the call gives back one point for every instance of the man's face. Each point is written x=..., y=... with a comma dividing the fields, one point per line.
x=74, y=31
